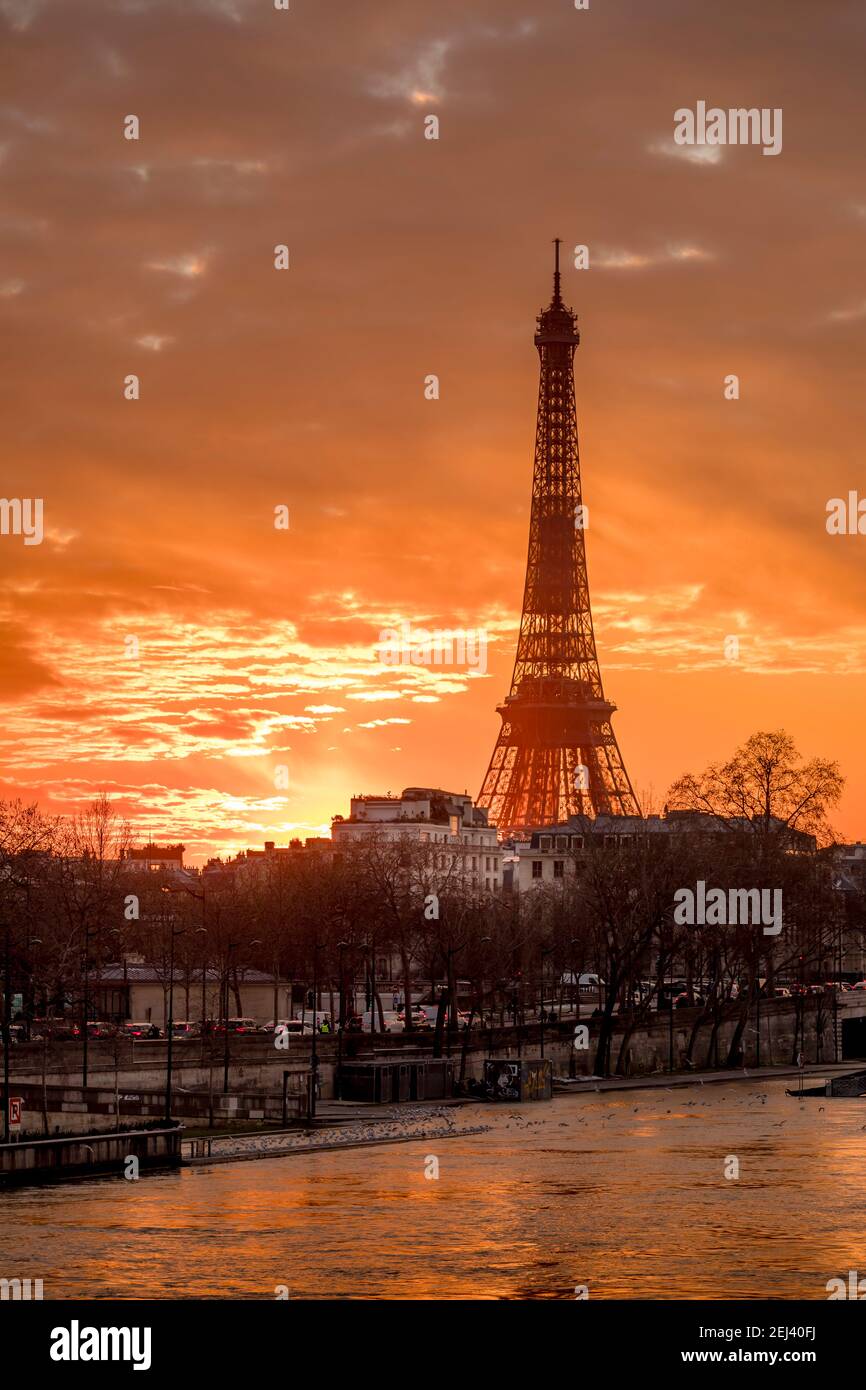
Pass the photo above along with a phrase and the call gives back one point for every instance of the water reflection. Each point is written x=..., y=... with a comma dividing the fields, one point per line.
x=624, y=1192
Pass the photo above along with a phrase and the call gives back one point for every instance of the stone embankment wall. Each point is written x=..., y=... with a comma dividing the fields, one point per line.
x=71, y=1109
x=55, y=1160
x=257, y=1066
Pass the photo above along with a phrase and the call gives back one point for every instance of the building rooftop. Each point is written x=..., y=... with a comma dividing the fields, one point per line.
x=137, y=973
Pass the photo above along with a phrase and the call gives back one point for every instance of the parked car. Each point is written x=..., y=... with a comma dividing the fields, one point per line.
x=55, y=1029
x=419, y=1017
x=428, y=1010
x=293, y=1026
x=321, y=1016
x=185, y=1028
x=97, y=1029
x=387, y=1023
x=861, y=984
x=141, y=1030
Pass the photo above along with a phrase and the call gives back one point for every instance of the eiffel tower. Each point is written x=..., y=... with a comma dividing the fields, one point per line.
x=556, y=754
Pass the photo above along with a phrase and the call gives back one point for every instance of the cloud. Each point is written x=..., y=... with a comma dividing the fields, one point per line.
x=189, y=266
x=20, y=14
x=634, y=260
x=850, y=315
x=154, y=342
x=682, y=630
x=704, y=155
x=420, y=79
x=380, y=723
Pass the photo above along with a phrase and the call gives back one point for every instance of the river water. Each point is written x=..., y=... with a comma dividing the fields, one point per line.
x=623, y=1192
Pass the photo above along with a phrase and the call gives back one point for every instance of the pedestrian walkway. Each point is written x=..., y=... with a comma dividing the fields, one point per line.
x=666, y=1080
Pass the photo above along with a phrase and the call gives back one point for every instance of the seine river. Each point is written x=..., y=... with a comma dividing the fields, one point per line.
x=623, y=1192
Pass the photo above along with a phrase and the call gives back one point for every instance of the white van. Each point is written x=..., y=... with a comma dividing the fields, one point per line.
x=306, y=1016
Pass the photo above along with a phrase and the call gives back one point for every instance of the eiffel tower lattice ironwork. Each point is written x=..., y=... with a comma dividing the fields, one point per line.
x=556, y=754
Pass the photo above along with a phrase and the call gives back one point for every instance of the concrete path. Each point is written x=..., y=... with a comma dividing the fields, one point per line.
x=391, y=1125
x=667, y=1080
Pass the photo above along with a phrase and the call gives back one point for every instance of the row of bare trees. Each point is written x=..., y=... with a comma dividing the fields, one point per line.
x=70, y=901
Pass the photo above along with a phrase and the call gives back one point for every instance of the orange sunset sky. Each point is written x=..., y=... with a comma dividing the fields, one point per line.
x=306, y=388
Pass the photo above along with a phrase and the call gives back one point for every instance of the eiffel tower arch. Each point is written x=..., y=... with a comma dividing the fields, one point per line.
x=556, y=754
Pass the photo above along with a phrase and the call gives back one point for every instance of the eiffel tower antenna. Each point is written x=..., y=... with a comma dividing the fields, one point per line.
x=556, y=754
x=557, y=296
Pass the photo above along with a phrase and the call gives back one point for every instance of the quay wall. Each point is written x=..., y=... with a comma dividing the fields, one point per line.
x=64, y=1109
x=257, y=1066
x=56, y=1160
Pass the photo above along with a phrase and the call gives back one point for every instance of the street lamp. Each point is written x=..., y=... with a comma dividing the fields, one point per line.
x=31, y=942
x=85, y=1001
x=545, y=952
x=173, y=937
x=575, y=996
x=200, y=931
x=483, y=941
x=233, y=945
x=314, y=1054
x=671, y=1014
x=342, y=947
x=7, y=1019
x=372, y=950
x=575, y=978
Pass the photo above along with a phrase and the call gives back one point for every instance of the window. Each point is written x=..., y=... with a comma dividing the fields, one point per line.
x=536, y=868
x=545, y=842
x=562, y=842
x=558, y=868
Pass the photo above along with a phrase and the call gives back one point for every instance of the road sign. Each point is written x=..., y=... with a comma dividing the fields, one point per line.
x=16, y=1105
